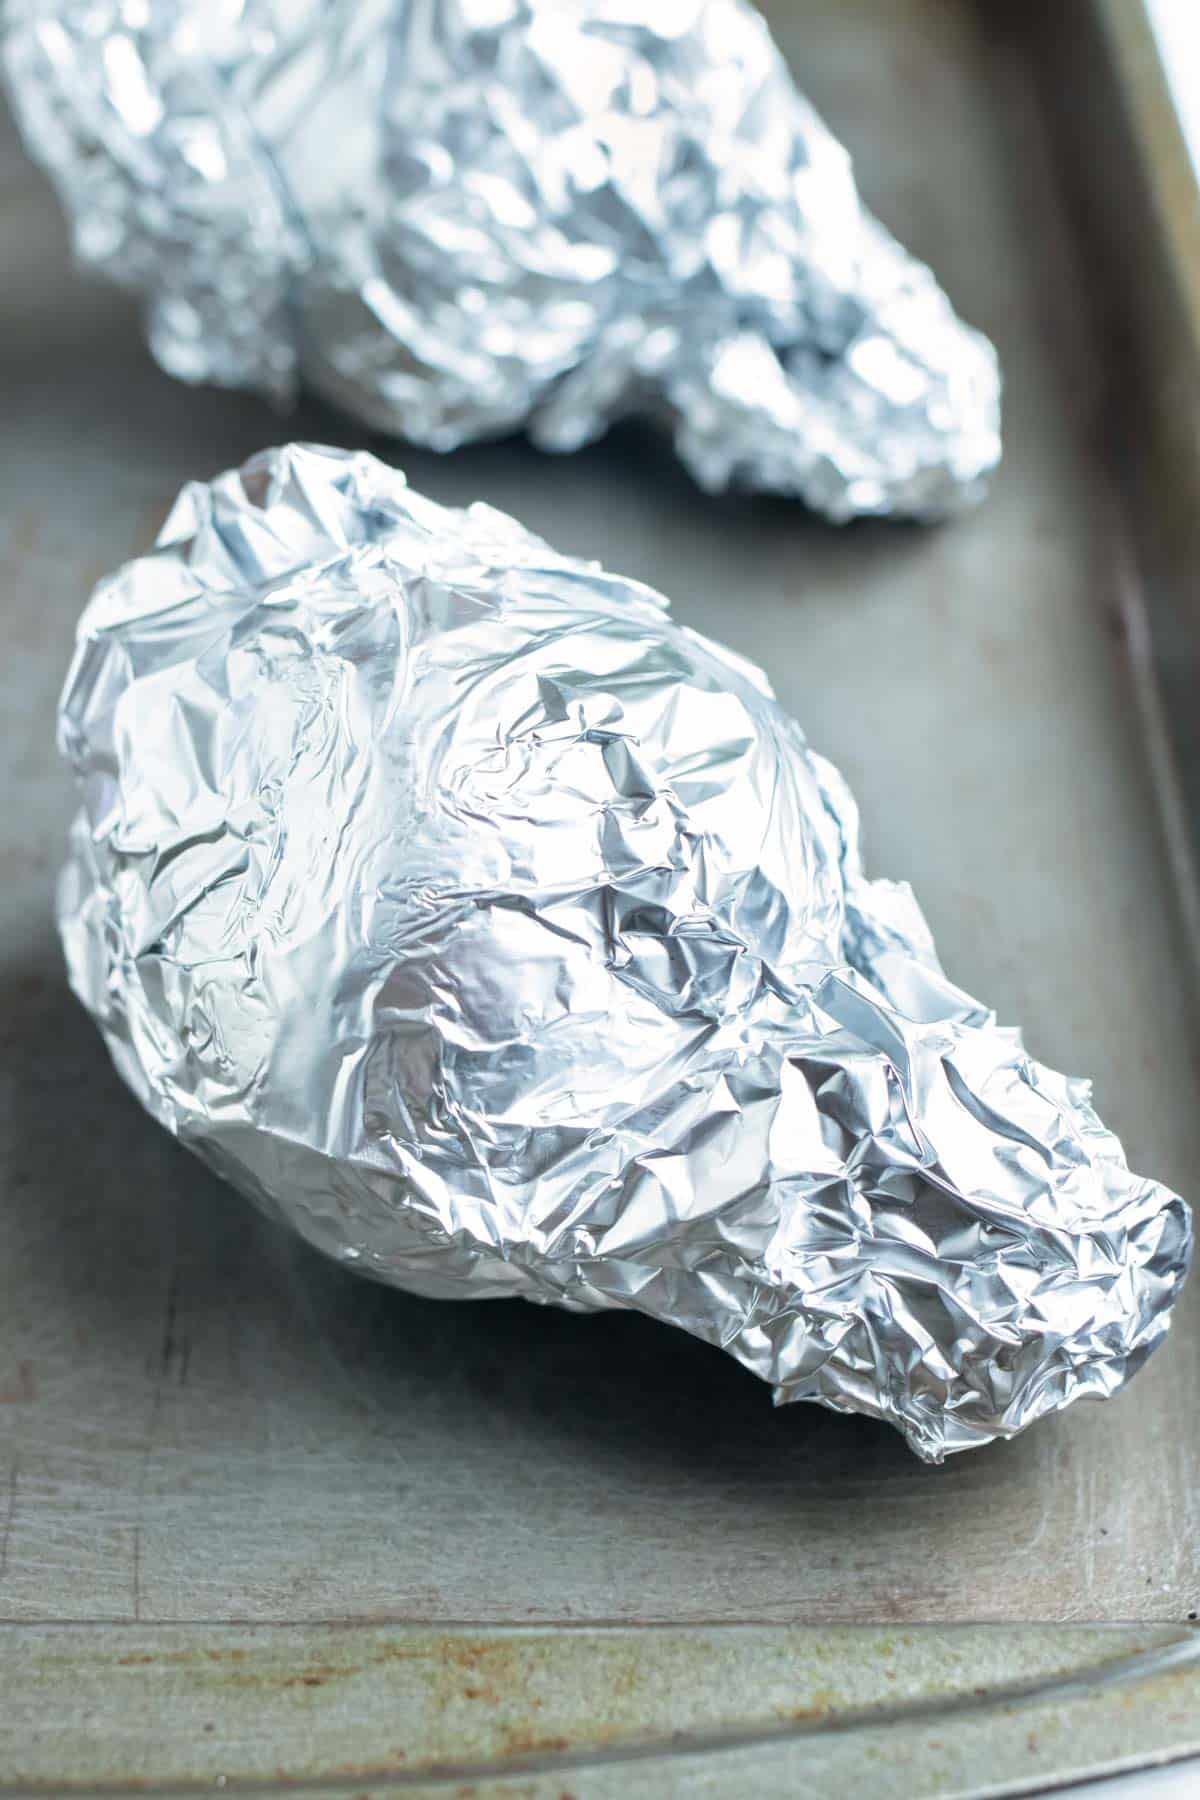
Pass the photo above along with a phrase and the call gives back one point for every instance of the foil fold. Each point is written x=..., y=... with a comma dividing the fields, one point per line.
x=505, y=938
x=463, y=217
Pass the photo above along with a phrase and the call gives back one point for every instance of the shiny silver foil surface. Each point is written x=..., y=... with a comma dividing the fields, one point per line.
x=506, y=938
x=461, y=217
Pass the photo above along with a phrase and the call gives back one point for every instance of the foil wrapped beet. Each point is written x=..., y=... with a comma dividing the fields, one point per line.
x=461, y=217
x=505, y=938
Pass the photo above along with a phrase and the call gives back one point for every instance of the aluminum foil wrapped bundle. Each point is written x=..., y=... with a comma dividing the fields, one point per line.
x=506, y=938
x=460, y=217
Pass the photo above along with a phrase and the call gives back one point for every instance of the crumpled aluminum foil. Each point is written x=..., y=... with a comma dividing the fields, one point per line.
x=458, y=217
x=506, y=938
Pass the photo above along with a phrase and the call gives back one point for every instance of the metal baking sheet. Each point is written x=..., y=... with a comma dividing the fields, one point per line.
x=230, y=1473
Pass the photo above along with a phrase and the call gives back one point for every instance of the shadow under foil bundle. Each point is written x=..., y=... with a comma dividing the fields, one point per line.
x=505, y=938
x=462, y=217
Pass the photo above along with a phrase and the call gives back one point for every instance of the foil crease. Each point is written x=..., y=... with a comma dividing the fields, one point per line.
x=506, y=938
x=462, y=217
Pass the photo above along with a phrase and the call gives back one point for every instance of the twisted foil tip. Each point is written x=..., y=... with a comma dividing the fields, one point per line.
x=506, y=938
x=459, y=218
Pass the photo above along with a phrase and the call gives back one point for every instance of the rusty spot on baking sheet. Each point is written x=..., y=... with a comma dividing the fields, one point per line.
x=497, y=1672
x=142, y=1658
x=317, y=1676
x=519, y=1741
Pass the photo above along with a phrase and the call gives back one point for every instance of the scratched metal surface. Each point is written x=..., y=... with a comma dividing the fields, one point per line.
x=203, y=1426
x=859, y=1713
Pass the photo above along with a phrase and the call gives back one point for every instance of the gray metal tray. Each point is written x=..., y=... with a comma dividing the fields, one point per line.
x=262, y=1523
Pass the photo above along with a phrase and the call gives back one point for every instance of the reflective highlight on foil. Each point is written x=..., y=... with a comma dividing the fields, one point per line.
x=506, y=938
x=461, y=217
